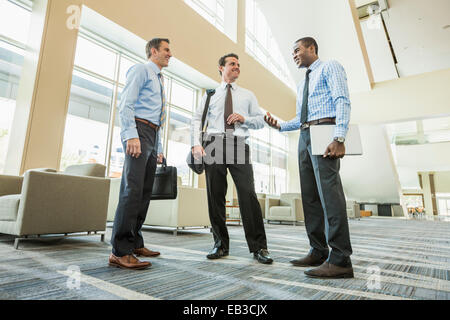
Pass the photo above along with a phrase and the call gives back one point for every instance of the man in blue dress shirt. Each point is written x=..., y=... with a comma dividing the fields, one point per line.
x=322, y=98
x=142, y=114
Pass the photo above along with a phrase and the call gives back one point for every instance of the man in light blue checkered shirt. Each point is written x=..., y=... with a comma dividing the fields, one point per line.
x=322, y=98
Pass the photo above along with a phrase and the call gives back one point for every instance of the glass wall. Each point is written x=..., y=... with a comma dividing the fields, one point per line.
x=269, y=156
x=15, y=19
x=211, y=10
x=258, y=40
x=92, y=133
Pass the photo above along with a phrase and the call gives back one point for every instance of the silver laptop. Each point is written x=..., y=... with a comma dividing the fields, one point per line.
x=322, y=136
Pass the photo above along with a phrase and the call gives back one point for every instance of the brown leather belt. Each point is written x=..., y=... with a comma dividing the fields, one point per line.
x=308, y=124
x=154, y=126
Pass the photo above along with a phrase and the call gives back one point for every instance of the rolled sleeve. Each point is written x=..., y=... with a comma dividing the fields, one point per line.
x=291, y=125
x=337, y=82
x=255, y=118
x=136, y=78
x=196, y=122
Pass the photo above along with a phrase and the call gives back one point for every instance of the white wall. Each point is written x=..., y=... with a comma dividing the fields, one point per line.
x=420, y=42
x=378, y=50
x=368, y=178
x=373, y=176
x=424, y=157
x=442, y=182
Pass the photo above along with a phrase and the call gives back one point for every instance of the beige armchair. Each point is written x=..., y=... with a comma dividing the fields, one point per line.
x=189, y=209
x=45, y=202
x=353, y=210
x=234, y=213
x=286, y=208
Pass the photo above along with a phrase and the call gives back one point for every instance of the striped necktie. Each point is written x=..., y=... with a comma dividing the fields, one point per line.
x=163, y=101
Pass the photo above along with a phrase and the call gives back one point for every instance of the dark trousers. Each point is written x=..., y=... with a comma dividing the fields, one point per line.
x=216, y=182
x=323, y=204
x=135, y=193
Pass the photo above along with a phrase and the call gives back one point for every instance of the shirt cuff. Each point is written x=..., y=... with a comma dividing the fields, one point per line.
x=340, y=132
x=128, y=134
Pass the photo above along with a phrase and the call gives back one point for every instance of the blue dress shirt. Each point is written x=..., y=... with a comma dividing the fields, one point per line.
x=141, y=98
x=328, y=97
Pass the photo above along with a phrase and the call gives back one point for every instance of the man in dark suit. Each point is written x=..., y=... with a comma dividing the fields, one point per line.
x=232, y=112
x=322, y=98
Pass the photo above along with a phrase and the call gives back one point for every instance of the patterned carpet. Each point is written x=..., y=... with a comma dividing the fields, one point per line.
x=393, y=259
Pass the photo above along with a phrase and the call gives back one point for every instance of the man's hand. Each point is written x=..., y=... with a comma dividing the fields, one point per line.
x=160, y=159
x=235, y=117
x=271, y=121
x=198, y=152
x=335, y=150
x=134, y=147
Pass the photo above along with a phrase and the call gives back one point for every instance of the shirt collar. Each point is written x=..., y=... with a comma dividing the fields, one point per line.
x=154, y=67
x=314, y=65
x=223, y=85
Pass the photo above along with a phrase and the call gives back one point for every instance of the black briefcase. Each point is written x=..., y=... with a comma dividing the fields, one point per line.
x=165, y=183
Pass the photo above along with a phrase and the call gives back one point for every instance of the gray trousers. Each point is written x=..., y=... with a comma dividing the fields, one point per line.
x=135, y=194
x=323, y=204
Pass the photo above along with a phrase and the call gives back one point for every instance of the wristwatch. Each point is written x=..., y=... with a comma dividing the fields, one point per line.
x=339, y=139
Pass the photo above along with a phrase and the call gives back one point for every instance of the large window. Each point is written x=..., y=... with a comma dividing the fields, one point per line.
x=211, y=10
x=258, y=40
x=269, y=157
x=14, y=27
x=443, y=200
x=220, y=13
x=92, y=133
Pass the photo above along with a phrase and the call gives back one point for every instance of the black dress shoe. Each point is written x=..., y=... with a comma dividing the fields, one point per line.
x=262, y=255
x=217, y=253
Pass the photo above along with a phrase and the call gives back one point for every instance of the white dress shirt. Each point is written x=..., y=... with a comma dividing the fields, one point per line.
x=244, y=103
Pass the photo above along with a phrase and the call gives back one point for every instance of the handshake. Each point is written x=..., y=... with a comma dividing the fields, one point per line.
x=271, y=121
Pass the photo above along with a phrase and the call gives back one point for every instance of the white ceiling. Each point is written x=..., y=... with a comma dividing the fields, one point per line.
x=417, y=28
x=418, y=34
x=330, y=22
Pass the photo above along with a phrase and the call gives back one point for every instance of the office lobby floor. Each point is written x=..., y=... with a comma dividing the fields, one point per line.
x=393, y=259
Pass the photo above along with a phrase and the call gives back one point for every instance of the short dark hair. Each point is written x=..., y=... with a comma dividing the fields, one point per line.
x=308, y=42
x=154, y=43
x=222, y=60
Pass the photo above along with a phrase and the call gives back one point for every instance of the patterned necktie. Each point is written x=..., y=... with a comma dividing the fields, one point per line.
x=304, y=114
x=228, y=108
x=163, y=101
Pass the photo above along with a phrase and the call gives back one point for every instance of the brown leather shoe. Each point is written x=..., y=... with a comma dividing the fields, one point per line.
x=144, y=252
x=330, y=271
x=309, y=261
x=128, y=262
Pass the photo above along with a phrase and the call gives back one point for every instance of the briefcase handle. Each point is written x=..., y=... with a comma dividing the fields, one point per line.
x=164, y=163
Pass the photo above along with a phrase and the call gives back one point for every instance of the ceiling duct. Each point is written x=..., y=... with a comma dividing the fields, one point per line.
x=374, y=7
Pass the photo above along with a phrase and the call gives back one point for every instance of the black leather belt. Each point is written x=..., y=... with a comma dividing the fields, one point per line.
x=308, y=124
x=154, y=126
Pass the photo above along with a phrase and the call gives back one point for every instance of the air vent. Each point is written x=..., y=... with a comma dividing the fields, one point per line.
x=378, y=5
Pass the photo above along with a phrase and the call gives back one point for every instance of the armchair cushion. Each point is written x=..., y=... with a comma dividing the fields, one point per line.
x=88, y=169
x=280, y=211
x=10, y=185
x=9, y=206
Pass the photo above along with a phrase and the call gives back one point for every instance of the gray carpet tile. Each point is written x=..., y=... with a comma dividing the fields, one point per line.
x=411, y=258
